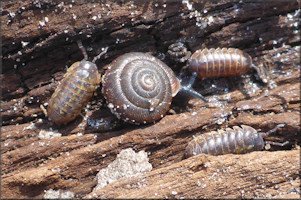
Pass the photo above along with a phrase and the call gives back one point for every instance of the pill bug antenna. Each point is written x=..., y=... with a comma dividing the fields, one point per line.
x=272, y=130
x=262, y=73
x=276, y=143
x=99, y=55
x=187, y=90
x=44, y=110
x=82, y=48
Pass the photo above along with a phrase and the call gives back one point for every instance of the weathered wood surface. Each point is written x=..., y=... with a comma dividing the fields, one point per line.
x=229, y=176
x=38, y=42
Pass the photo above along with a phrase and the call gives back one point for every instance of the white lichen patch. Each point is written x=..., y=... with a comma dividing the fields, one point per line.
x=44, y=134
x=188, y=4
x=31, y=126
x=127, y=164
x=57, y=194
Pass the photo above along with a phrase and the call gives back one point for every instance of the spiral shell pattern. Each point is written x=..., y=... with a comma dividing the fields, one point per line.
x=139, y=87
x=178, y=52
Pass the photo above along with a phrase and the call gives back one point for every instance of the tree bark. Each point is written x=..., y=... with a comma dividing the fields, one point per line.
x=39, y=42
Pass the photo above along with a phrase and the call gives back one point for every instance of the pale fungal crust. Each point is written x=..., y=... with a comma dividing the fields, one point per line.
x=127, y=164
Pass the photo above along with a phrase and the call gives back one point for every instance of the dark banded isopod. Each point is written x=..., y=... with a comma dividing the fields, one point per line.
x=219, y=62
x=236, y=141
x=75, y=90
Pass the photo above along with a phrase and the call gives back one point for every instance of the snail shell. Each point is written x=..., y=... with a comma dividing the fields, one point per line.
x=178, y=52
x=139, y=87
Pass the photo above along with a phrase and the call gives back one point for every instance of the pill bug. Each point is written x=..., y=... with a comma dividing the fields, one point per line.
x=225, y=62
x=139, y=88
x=76, y=88
x=238, y=140
x=219, y=62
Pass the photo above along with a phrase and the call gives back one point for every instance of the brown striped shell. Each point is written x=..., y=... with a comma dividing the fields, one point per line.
x=139, y=87
x=75, y=90
x=236, y=141
x=178, y=52
x=219, y=62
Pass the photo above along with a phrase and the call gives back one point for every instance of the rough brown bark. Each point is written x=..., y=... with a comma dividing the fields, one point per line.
x=254, y=175
x=38, y=42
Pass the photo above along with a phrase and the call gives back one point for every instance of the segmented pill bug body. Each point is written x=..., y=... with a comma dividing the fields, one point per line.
x=75, y=90
x=139, y=87
x=208, y=63
x=237, y=140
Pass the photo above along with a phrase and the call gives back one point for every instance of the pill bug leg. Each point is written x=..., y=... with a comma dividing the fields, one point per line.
x=187, y=89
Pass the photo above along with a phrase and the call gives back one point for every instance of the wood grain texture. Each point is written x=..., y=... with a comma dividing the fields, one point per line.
x=254, y=175
x=39, y=41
